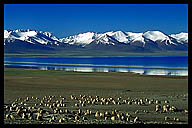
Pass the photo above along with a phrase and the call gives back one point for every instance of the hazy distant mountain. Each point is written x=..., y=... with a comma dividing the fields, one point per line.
x=150, y=41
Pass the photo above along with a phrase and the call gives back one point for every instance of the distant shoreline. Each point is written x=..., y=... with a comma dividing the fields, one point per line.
x=92, y=65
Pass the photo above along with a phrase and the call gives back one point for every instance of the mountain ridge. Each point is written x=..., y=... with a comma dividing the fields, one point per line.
x=150, y=41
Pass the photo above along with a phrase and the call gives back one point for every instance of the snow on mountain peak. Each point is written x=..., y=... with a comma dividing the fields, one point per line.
x=135, y=36
x=30, y=36
x=82, y=38
x=180, y=37
x=155, y=35
x=118, y=35
x=18, y=34
x=6, y=33
x=105, y=39
x=27, y=34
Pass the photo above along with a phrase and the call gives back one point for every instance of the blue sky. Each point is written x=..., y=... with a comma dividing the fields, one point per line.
x=69, y=19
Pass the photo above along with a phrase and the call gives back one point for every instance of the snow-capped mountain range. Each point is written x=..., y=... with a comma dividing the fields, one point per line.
x=127, y=41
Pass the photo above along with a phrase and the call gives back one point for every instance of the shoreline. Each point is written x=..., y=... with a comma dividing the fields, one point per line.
x=93, y=65
x=128, y=73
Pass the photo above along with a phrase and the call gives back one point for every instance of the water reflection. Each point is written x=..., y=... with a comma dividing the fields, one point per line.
x=138, y=71
x=172, y=72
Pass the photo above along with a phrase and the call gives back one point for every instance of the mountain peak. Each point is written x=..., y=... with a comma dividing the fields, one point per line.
x=130, y=40
x=181, y=37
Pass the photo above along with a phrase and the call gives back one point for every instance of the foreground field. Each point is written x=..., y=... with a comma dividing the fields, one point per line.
x=131, y=98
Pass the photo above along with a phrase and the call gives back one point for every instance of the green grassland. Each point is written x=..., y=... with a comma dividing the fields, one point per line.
x=20, y=83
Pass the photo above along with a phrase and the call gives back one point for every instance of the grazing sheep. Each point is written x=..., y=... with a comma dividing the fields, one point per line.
x=60, y=121
x=60, y=111
x=111, y=99
x=102, y=115
x=150, y=102
x=7, y=116
x=66, y=111
x=114, y=102
x=55, y=111
x=173, y=108
x=65, y=119
x=23, y=116
x=93, y=102
x=127, y=114
x=165, y=108
x=6, y=107
x=186, y=111
x=80, y=111
x=147, y=100
x=88, y=111
x=166, y=118
x=166, y=101
x=119, y=98
x=54, y=105
x=157, y=108
x=10, y=108
x=119, y=103
x=64, y=105
x=107, y=113
x=76, y=118
x=58, y=105
x=137, y=111
x=12, y=117
x=136, y=119
x=50, y=120
x=123, y=118
x=88, y=101
x=29, y=108
x=158, y=102
x=113, y=112
x=72, y=97
x=18, y=112
x=61, y=101
x=129, y=102
x=174, y=118
x=29, y=115
x=50, y=106
x=53, y=118
x=177, y=119
x=97, y=114
x=83, y=105
x=113, y=118
x=30, y=118
x=118, y=116
x=128, y=119
x=39, y=116
x=124, y=101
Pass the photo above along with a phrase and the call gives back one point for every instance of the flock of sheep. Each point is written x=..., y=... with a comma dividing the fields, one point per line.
x=77, y=109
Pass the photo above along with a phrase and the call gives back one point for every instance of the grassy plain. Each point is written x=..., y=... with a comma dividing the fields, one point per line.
x=20, y=83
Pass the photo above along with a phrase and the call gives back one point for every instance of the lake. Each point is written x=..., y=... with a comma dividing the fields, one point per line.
x=162, y=65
